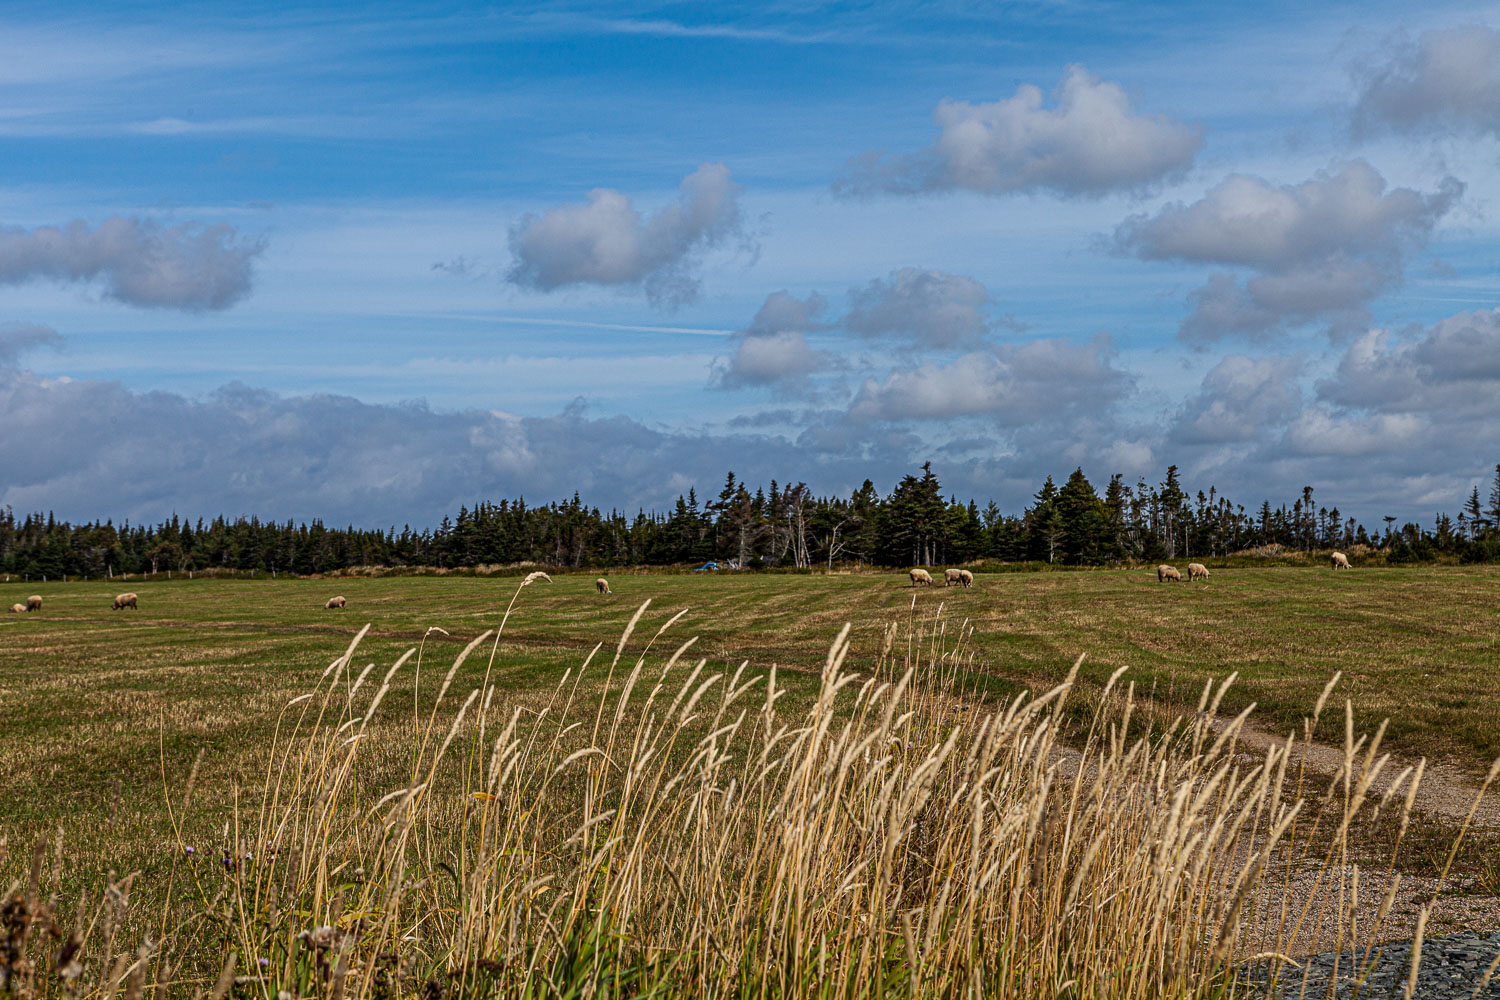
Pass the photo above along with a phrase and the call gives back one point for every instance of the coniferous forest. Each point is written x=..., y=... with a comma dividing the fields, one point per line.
x=774, y=525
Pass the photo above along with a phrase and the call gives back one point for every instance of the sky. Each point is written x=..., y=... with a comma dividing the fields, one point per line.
x=371, y=264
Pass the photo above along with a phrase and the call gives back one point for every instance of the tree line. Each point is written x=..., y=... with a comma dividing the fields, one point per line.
x=782, y=525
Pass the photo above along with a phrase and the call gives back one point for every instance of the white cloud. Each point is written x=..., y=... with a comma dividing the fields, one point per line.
x=1040, y=381
x=1241, y=399
x=191, y=266
x=607, y=241
x=1318, y=250
x=917, y=308
x=773, y=349
x=1449, y=371
x=1090, y=144
x=1320, y=433
x=931, y=308
x=1442, y=82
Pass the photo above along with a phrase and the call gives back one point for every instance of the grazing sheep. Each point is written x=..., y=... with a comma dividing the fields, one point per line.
x=15, y=608
x=921, y=576
x=952, y=576
x=33, y=603
x=602, y=585
x=335, y=602
x=1165, y=573
x=966, y=577
x=1196, y=570
x=124, y=601
x=1340, y=561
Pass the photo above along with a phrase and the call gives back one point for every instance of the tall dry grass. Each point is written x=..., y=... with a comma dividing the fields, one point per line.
x=681, y=833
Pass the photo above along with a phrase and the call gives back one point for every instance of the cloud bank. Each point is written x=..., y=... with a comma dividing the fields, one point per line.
x=92, y=448
x=1407, y=419
x=191, y=266
x=607, y=241
x=1091, y=143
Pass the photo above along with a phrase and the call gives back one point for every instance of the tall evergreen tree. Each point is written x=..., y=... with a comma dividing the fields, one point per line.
x=1082, y=519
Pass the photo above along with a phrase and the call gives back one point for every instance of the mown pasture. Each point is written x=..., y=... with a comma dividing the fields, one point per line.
x=217, y=657
x=95, y=696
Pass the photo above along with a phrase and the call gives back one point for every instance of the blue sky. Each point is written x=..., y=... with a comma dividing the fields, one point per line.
x=367, y=265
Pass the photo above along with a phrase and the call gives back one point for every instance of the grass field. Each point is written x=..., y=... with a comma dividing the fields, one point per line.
x=85, y=686
x=97, y=700
x=107, y=712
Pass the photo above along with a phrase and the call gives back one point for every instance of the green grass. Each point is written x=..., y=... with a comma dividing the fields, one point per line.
x=94, y=697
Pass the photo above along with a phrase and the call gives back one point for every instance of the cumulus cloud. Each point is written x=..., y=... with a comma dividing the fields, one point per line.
x=1044, y=380
x=1239, y=401
x=1450, y=370
x=912, y=307
x=932, y=309
x=607, y=241
x=192, y=265
x=1091, y=143
x=18, y=338
x=773, y=349
x=1318, y=250
x=1442, y=82
x=1320, y=433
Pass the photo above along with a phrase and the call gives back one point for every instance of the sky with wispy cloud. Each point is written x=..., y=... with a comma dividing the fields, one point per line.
x=370, y=264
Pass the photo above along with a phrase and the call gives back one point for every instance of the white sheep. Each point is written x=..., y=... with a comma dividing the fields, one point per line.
x=602, y=585
x=124, y=601
x=1196, y=571
x=966, y=577
x=1165, y=573
x=335, y=602
x=1340, y=561
x=16, y=608
x=921, y=576
x=34, y=603
x=952, y=576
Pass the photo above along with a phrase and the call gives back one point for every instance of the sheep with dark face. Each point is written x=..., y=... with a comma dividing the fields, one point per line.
x=1197, y=571
x=34, y=603
x=335, y=602
x=1340, y=561
x=124, y=601
x=602, y=585
x=17, y=608
x=952, y=576
x=922, y=577
x=1165, y=573
x=966, y=577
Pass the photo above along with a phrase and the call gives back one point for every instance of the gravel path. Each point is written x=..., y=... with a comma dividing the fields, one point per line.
x=1446, y=791
x=1452, y=967
x=1458, y=909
